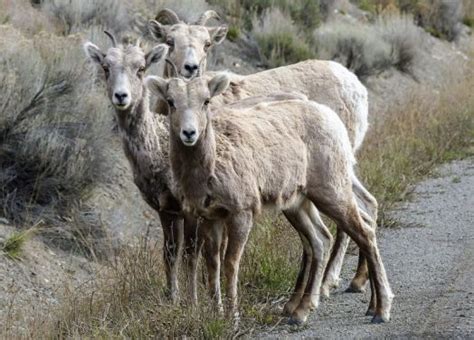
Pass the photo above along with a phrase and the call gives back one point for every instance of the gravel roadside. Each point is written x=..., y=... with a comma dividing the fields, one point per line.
x=430, y=265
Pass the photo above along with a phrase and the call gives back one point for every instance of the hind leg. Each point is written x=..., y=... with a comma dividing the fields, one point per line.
x=333, y=269
x=346, y=213
x=369, y=210
x=301, y=221
x=300, y=286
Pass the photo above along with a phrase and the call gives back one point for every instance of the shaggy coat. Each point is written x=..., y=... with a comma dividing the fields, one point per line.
x=230, y=163
x=145, y=140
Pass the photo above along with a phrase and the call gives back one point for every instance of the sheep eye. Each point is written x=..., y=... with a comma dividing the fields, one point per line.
x=170, y=102
x=206, y=102
x=140, y=71
x=170, y=42
x=207, y=45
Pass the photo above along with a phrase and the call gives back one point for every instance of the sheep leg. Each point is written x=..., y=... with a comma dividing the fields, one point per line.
x=173, y=243
x=368, y=205
x=212, y=232
x=333, y=269
x=350, y=221
x=300, y=219
x=368, y=208
x=192, y=247
x=238, y=229
x=300, y=286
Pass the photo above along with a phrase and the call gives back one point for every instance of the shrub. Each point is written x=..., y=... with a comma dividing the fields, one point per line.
x=76, y=15
x=24, y=17
x=53, y=126
x=279, y=40
x=404, y=39
x=370, y=49
x=355, y=46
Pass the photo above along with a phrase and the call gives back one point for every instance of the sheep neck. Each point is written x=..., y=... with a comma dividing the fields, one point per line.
x=140, y=135
x=194, y=166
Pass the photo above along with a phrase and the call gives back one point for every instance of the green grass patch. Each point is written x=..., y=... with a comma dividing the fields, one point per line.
x=14, y=245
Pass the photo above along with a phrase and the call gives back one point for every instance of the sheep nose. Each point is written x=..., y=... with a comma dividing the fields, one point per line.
x=189, y=133
x=191, y=68
x=120, y=96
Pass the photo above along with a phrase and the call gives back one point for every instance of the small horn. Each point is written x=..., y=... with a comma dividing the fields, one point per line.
x=173, y=66
x=169, y=15
x=110, y=35
x=207, y=15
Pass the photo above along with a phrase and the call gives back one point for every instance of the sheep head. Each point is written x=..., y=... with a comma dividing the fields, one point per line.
x=188, y=103
x=124, y=69
x=188, y=44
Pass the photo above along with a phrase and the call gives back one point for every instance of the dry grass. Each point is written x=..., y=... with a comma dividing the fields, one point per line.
x=405, y=145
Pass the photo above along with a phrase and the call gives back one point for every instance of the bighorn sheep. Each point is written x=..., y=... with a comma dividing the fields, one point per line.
x=228, y=164
x=188, y=43
x=145, y=139
x=325, y=82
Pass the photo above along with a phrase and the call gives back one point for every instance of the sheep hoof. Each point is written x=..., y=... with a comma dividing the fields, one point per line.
x=378, y=319
x=355, y=288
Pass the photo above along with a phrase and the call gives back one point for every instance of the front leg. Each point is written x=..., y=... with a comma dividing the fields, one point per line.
x=193, y=242
x=173, y=242
x=212, y=233
x=238, y=229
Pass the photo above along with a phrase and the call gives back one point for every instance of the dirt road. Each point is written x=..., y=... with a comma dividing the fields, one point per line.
x=430, y=265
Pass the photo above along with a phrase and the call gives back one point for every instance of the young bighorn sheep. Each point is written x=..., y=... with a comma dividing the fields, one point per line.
x=326, y=82
x=228, y=164
x=145, y=139
x=188, y=44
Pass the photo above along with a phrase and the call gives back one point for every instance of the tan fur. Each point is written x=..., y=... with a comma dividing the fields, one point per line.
x=277, y=153
x=146, y=145
x=328, y=83
x=313, y=78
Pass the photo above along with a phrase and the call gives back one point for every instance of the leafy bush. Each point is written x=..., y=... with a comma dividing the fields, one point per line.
x=279, y=40
x=53, y=126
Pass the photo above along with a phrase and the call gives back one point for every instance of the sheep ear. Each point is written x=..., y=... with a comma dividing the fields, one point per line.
x=218, y=34
x=156, y=54
x=158, y=86
x=157, y=30
x=218, y=84
x=94, y=53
